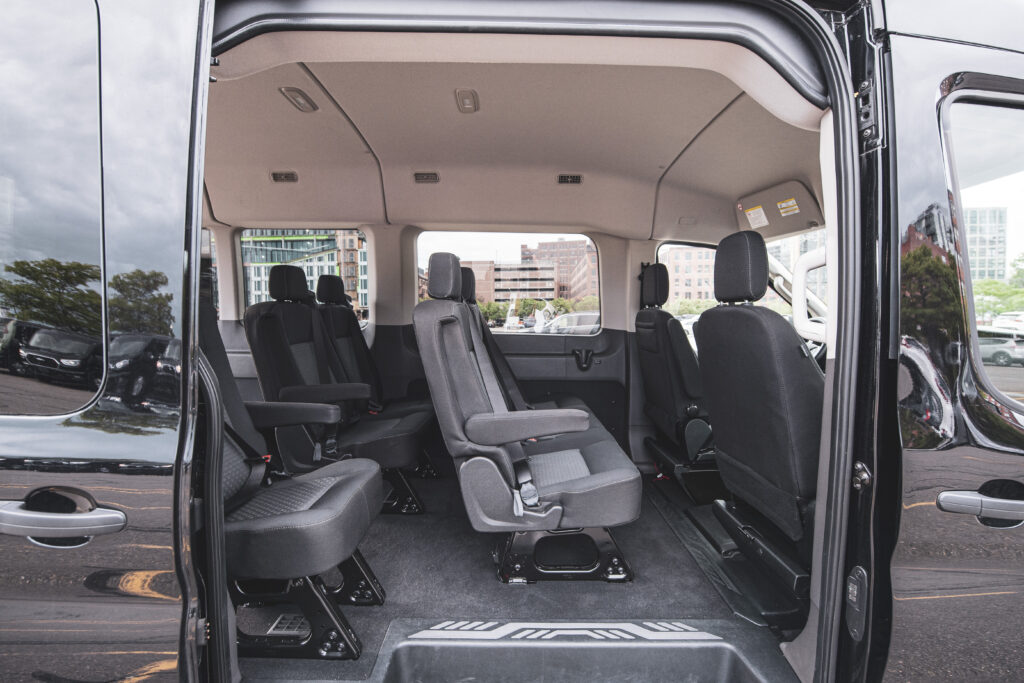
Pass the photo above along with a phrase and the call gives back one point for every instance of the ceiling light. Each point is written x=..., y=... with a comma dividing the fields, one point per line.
x=299, y=99
x=426, y=177
x=467, y=100
x=284, y=176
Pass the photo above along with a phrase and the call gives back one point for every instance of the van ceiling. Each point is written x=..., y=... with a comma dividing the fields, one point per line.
x=665, y=133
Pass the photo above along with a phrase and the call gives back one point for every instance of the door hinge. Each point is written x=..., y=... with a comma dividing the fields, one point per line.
x=202, y=631
x=864, y=47
x=862, y=478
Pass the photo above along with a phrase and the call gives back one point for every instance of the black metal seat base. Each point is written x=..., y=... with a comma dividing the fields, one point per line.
x=564, y=555
x=403, y=499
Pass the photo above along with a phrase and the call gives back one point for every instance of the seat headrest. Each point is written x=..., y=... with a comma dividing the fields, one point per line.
x=445, y=280
x=330, y=289
x=654, y=285
x=741, y=267
x=288, y=283
x=468, y=285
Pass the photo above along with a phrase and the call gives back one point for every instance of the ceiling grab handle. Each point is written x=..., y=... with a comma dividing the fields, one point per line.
x=811, y=330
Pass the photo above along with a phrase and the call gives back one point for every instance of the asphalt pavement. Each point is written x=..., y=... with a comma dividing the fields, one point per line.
x=29, y=396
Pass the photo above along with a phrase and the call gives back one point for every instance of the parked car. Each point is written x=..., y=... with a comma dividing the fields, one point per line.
x=132, y=365
x=1001, y=347
x=580, y=322
x=167, y=380
x=67, y=357
x=16, y=334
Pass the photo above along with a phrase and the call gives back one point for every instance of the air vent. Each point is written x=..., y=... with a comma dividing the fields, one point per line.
x=570, y=179
x=284, y=176
x=427, y=177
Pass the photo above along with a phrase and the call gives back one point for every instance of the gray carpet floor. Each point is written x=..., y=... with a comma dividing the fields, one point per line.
x=435, y=566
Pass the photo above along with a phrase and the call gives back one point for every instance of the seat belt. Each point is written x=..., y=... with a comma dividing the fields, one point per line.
x=323, y=370
x=525, y=492
x=501, y=366
x=257, y=469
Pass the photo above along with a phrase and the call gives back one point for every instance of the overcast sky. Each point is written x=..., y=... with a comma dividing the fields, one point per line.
x=477, y=246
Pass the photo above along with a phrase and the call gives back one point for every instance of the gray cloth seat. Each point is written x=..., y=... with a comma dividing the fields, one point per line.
x=673, y=394
x=764, y=392
x=514, y=395
x=305, y=525
x=297, y=527
x=357, y=361
x=589, y=484
x=514, y=398
x=295, y=357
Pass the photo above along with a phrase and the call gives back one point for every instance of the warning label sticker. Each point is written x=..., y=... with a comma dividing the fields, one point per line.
x=788, y=207
x=756, y=217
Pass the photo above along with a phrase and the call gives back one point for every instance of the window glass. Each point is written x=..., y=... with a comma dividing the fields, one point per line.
x=316, y=252
x=208, y=265
x=987, y=151
x=526, y=283
x=51, y=305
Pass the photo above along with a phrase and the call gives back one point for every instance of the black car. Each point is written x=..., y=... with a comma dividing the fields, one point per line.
x=132, y=365
x=17, y=333
x=66, y=357
x=328, y=466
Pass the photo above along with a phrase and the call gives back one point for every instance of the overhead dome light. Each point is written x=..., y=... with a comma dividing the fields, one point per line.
x=300, y=99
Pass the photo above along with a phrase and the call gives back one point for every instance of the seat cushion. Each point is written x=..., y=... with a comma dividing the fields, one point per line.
x=304, y=525
x=391, y=441
x=597, y=484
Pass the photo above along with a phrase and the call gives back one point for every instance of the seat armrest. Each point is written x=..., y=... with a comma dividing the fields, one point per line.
x=270, y=414
x=496, y=429
x=324, y=393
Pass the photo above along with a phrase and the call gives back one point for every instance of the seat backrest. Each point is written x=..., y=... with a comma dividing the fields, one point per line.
x=342, y=327
x=764, y=390
x=510, y=388
x=289, y=347
x=234, y=466
x=672, y=384
x=459, y=373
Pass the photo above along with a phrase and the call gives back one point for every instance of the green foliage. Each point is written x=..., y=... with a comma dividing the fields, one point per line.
x=587, y=303
x=1017, y=279
x=690, y=306
x=992, y=297
x=492, y=310
x=930, y=305
x=526, y=307
x=54, y=293
x=561, y=305
x=58, y=293
x=137, y=306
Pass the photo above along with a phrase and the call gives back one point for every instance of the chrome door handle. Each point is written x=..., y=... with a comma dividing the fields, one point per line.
x=974, y=503
x=15, y=520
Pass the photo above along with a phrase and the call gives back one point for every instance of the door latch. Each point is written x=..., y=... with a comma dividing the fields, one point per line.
x=861, y=476
x=584, y=358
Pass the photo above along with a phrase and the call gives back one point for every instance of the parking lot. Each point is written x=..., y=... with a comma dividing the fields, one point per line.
x=1009, y=380
x=21, y=395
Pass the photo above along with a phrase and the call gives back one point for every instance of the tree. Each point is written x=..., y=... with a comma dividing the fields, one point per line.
x=526, y=307
x=691, y=306
x=561, y=305
x=931, y=306
x=492, y=310
x=54, y=293
x=1017, y=279
x=587, y=303
x=137, y=307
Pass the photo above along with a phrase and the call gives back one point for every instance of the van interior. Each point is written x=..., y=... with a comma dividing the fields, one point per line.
x=637, y=501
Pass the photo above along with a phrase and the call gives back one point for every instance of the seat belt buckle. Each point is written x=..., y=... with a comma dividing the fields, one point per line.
x=266, y=458
x=374, y=407
x=528, y=494
x=331, y=447
x=517, y=503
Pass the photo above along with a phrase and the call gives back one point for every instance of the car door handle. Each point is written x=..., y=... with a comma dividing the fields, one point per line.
x=980, y=505
x=15, y=520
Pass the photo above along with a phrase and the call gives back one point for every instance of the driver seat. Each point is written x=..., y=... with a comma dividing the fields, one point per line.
x=763, y=392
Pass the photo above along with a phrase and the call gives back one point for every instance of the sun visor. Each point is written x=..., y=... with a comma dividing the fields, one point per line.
x=779, y=210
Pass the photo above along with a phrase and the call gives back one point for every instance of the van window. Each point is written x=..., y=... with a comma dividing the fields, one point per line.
x=316, y=252
x=51, y=229
x=691, y=273
x=526, y=283
x=987, y=154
